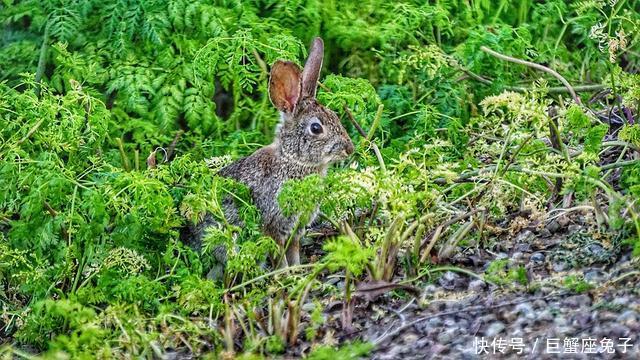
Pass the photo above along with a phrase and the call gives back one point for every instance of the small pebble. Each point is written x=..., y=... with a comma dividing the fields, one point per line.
x=308, y=307
x=581, y=320
x=517, y=256
x=594, y=275
x=596, y=250
x=526, y=310
x=577, y=301
x=544, y=233
x=449, y=280
x=537, y=258
x=545, y=316
x=573, y=228
x=410, y=338
x=450, y=322
x=560, y=321
x=477, y=285
x=430, y=289
x=563, y=221
x=620, y=301
x=553, y=226
x=469, y=353
x=487, y=318
x=525, y=237
x=510, y=316
x=332, y=281
x=462, y=324
x=627, y=318
x=618, y=331
x=607, y=316
x=445, y=337
x=494, y=329
x=565, y=330
x=559, y=266
x=434, y=322
x=540, y=304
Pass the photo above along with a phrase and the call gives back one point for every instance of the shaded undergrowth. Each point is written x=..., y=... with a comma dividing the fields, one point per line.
x=471, y=122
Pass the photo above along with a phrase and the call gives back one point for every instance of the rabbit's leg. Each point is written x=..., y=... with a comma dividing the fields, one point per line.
x=193, y=235
x=282, y=260
x=278, y=258
x=293, y=251
x=216, y=273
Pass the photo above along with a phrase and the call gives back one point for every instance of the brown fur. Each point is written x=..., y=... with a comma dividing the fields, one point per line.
x=295, y=153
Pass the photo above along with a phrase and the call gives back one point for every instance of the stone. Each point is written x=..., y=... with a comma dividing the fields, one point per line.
x=537, y=258
x=597, y=251
x=544, y=233
x=525, y=236
x=560, y=266
x=450, y=322
x=545, y=316
x=560, y=321
x=449, y=280
x=553, y=226
x=477, y=285
x=494, y=329
x=574, y=228
x=410, y=338
x=430, y=289
x=308, y=307
x=526, y=310
x=627, y=318
x=620, y=301
x=577, y=301
x=594, y=275
x=445, y=337
x=434, y=322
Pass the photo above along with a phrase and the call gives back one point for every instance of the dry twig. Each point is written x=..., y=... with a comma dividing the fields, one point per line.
x=477, y=308
x=535, y=66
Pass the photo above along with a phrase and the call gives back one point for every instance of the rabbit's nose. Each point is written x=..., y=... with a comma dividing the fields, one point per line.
x=349, y=147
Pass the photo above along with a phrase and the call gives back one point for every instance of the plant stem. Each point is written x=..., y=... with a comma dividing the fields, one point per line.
x=123, y=155
x=535, y=66
x=619, y=164
x=42, y=60
x=355, y=124
x=376, y=122
x=31, y=131
x=272, y=273
x=374, y=147
x=551, y=90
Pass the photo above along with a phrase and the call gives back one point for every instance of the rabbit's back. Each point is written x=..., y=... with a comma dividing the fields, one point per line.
x=308, y=138
x=264, y=173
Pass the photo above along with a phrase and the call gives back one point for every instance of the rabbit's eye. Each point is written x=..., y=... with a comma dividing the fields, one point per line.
x=316, y=128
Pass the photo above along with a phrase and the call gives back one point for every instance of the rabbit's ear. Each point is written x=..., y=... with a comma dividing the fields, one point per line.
x=284, y=85
x=312, y=67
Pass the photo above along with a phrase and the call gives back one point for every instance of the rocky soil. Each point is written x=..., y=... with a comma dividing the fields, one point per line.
x=575, y=296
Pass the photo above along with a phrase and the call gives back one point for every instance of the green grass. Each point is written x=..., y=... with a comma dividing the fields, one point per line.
x=456, y=141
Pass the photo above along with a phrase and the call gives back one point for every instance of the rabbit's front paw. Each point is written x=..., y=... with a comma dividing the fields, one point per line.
x=216, y=273
x=293, y=254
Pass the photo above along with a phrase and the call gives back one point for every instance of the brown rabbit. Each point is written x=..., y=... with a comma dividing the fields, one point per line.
x=308, y=138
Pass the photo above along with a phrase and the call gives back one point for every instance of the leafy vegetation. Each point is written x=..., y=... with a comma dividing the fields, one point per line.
x=115, y=115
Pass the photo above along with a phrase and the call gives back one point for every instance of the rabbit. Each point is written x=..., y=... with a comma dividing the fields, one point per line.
x=308, y=138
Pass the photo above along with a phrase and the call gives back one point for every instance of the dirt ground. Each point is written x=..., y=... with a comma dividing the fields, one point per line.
x=580, y=300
